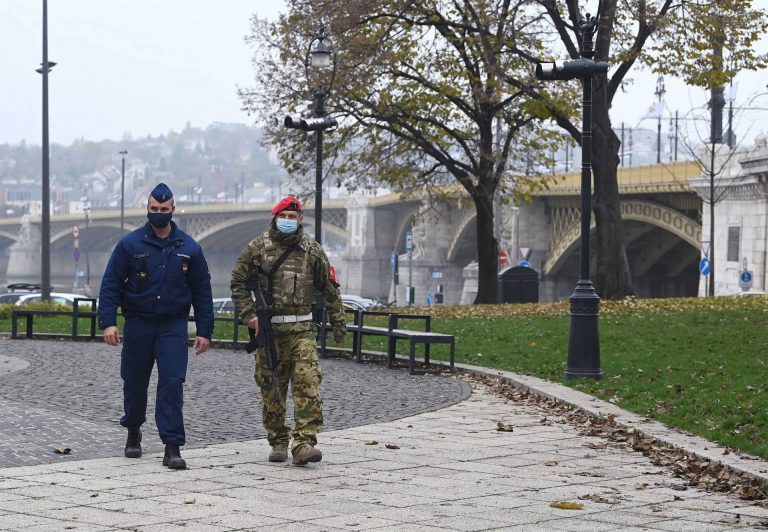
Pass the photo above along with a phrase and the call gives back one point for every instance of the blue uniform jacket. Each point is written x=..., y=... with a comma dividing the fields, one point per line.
x=157, y=279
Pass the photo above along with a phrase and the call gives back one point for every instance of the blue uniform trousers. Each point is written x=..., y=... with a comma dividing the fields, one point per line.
x=145, y=341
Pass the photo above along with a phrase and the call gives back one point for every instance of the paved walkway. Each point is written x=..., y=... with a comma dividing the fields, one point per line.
x=446, y=469
x=56, y=394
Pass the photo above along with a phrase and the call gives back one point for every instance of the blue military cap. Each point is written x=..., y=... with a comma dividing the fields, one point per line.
x=161, y=193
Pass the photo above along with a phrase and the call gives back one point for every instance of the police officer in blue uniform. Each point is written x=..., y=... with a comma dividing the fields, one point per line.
x=154, y=275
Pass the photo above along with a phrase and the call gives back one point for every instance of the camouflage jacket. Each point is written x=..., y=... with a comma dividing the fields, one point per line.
x=293, y=284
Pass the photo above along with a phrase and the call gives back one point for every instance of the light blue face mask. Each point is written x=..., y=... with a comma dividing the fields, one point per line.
x=286, y=226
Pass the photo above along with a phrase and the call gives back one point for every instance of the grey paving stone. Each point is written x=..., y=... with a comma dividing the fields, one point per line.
x=243, y=521
x=353, y=522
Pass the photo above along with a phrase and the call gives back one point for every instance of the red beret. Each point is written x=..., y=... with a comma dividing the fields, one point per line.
x=288, y=203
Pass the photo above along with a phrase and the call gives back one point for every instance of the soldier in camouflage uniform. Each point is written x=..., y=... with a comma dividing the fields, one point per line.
x=293, y=285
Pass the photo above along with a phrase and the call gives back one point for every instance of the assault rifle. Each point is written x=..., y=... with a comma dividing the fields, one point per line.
x=263, y=337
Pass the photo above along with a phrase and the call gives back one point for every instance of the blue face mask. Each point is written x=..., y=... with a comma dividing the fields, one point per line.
x=286, y=226
x=159, y=219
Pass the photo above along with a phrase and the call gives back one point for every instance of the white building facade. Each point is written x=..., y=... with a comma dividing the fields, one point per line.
x=739, y=185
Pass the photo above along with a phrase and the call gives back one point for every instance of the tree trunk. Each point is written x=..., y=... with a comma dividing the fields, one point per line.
x=487, y=250
x=612, y=276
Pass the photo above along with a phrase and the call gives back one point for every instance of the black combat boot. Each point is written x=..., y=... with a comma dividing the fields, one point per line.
x=173, y=458
x=133, y=443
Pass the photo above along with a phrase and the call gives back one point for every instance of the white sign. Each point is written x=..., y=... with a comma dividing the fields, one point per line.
x=75, y=231
x=705, y=248
x=408, y=241
x=525, y=252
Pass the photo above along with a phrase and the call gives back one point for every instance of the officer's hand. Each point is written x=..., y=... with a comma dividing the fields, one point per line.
x=253, y=323
x=112, y=335
x=201, y=345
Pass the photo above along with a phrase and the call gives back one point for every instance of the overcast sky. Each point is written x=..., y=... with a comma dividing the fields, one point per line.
x=149, y=66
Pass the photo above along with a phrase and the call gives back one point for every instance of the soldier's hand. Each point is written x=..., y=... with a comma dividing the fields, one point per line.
x=253, y=323
x=112, y=335
x=201, y=345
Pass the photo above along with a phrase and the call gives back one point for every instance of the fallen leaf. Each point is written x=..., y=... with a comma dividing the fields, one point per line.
x=391, y=446
x=190, y=500
x=731, y=520
x=62, y=450
x=371, y=442
x=598, y=498
x=591, y=474
x=504, y=427
x=641, y=485
x=94, y=495
x=567, y=505
x=550, y=463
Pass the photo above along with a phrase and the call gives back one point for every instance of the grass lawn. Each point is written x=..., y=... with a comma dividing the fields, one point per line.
x=697, y=364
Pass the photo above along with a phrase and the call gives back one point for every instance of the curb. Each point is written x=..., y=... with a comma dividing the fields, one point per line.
x=690, y=443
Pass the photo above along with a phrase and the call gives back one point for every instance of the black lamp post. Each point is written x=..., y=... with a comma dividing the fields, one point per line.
x=659, y=92
x=87, y=211
x=320, y=55
x=583, y=340
x=123, y=153
x=45, y=251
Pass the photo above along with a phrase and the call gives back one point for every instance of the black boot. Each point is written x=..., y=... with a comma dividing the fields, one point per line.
x=133, y=443
x=173, y=458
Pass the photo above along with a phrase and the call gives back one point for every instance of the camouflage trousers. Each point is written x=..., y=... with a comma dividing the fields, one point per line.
x=297, y=364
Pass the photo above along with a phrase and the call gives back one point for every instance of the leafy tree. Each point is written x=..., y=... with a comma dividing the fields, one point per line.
x=430, y=94
x=704, y=42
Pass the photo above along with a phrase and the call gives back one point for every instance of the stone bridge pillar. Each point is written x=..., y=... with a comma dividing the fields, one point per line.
x=428, y=264
x=24, y=256
x=364, y=268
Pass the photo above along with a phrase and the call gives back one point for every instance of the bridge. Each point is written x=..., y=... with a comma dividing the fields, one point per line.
x=662, y=214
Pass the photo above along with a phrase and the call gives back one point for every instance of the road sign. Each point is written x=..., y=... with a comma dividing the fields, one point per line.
x=525, y=253
x=705, y=247
x=745, y=280
x=704, y=266
x=437, y=275
x=525, y=264
x=76, y=254
x=393, y=260
x=408, y=241
x=503, y=258
x=75, y=231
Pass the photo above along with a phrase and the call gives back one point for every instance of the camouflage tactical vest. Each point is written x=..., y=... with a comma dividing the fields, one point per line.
x=293, y=282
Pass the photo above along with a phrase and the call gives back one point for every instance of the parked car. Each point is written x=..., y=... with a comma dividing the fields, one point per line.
x=61, y=298
x=14, y=291
x=223, y=305
x=358, y=302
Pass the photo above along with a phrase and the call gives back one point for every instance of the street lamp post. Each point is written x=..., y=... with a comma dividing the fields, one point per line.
x=659, y=92
x=320, y=55
x=45, y=251
x=123, y=153
x=87, y=242
x=583, y=340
